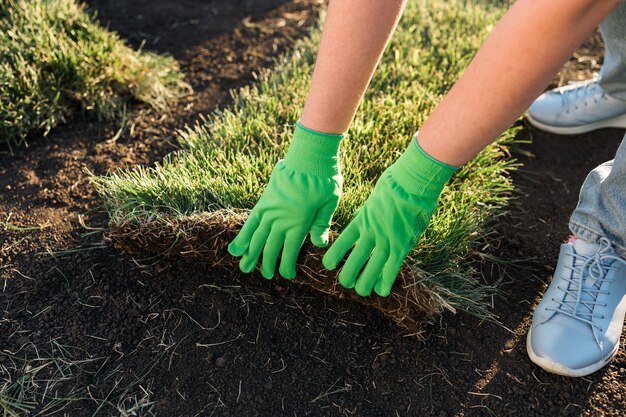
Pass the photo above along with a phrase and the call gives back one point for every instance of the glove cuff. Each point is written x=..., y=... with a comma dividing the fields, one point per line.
x=419, y=173
x=314, y=153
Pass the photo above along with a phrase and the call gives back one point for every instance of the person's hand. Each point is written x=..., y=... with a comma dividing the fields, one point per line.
x=301, y=197
x=386, y=227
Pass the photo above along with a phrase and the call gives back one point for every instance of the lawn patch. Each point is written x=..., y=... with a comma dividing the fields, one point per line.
x=193, y=203
x=56, y=61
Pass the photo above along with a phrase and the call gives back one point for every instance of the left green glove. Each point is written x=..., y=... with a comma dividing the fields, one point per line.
x=301, y=197
x=386, y=227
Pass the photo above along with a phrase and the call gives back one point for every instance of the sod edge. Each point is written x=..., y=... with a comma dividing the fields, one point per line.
x=204, y=238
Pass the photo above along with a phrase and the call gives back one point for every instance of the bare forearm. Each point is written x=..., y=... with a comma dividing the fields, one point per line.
x=354, y=37
x=519, y=58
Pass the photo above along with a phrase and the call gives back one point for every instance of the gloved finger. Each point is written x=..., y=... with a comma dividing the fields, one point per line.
x=251, y=257
x=372, y=271
x=390, y=272
x=240, y=243
x=341, y=246
x=293, y=243
x=321, y=223
x=272, y=248
x=356, y=260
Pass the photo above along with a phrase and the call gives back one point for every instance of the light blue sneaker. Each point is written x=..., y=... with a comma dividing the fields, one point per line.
x=577, y=108
x=577, y=325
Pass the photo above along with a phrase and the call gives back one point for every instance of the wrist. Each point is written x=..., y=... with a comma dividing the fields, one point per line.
x=313, y=152
x=419, y=173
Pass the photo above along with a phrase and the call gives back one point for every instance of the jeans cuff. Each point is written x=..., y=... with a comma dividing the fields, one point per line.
x=593, y=236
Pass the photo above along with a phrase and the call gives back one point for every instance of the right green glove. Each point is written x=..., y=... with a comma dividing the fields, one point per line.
x=301, y=197
x=386, y=227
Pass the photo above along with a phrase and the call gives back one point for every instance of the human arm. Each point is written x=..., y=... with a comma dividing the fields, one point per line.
x=348, y=54
x=518, y=59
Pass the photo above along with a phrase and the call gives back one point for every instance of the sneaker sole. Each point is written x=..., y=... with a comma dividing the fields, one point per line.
x=557, y=368
x=615, y=122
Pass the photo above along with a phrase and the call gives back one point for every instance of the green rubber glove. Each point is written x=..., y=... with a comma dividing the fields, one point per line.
x=388, y=224
x=302, y=195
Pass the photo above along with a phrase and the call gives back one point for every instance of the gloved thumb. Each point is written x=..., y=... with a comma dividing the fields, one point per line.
x=320, y=227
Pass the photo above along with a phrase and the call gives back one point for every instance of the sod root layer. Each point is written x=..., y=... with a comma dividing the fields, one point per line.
x=187, y=339
x=204, y=237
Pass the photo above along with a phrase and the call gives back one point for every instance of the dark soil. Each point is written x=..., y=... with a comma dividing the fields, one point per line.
x=187, y=339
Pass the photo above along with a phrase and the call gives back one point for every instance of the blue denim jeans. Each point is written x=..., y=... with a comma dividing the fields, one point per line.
x=601, y=210
x=613, y=72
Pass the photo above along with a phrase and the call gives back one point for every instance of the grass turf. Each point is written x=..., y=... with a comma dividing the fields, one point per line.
x=55, y=61
x=224, y=164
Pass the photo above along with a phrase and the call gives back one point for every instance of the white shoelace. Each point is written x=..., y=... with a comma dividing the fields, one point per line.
x=596, y=268
x=571, y=96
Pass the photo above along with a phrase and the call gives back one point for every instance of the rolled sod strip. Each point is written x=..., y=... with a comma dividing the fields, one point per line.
x=191, y=205
x=56, y=62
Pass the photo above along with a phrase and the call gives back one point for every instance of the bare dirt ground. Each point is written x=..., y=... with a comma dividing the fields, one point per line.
x=104, y=336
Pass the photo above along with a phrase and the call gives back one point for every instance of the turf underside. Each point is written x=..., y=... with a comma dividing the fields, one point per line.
x=192, y=203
